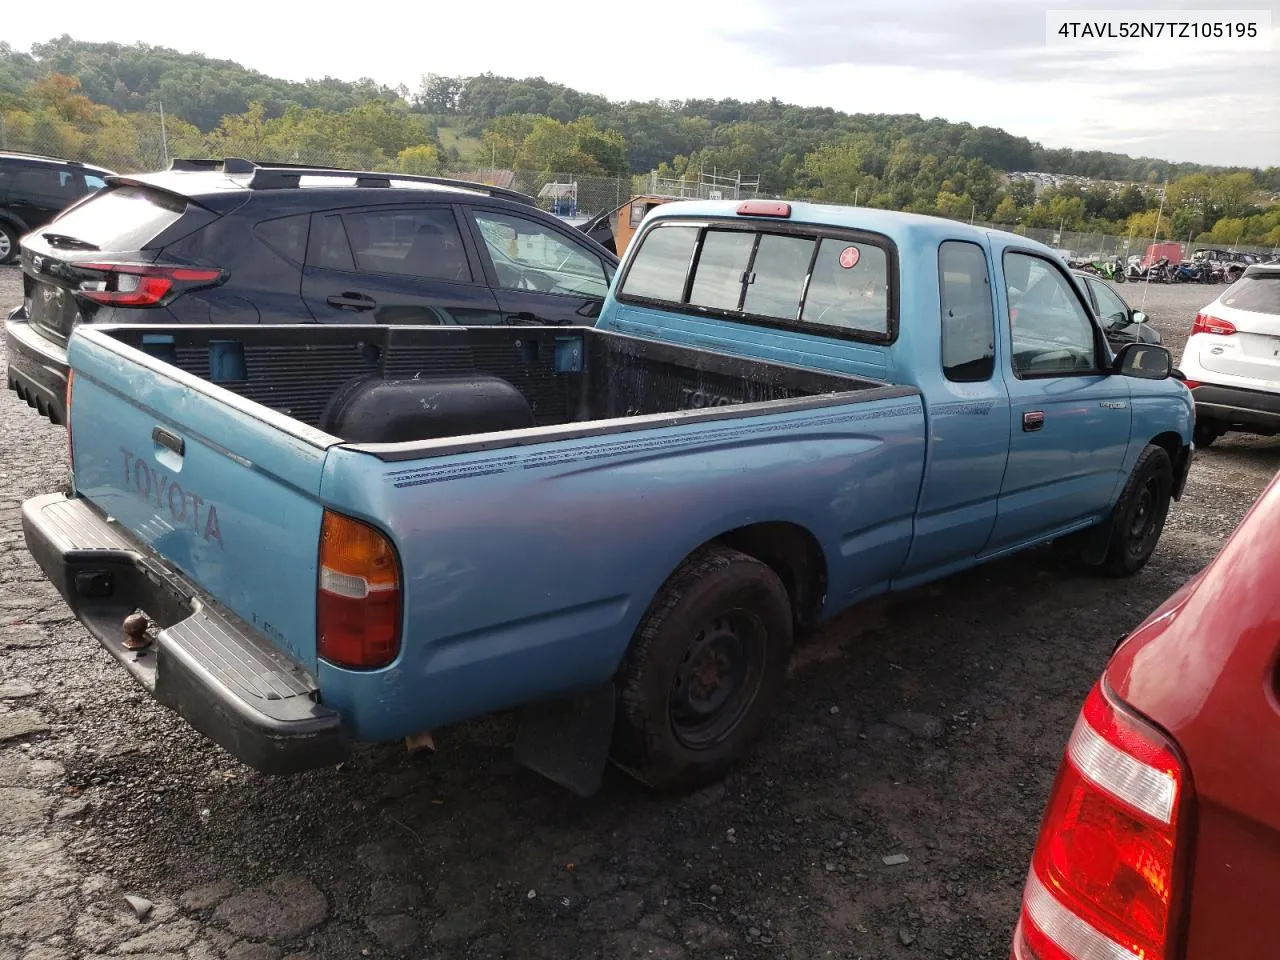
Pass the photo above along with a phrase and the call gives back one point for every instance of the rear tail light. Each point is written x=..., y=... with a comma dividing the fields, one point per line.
x=1105, y=870
x=358, y=606
x=1204, y=323
x=1191, y=384
x=142, y=284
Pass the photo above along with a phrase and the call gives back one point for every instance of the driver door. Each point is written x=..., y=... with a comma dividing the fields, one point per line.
x=540, y=275
x=1071, y=419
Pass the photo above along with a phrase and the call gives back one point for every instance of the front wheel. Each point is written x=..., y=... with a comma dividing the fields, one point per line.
x=703, y=670
x=1139, y=515
x=8, y=243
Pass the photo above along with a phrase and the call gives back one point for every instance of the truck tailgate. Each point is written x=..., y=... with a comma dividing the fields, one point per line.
x=225, y=491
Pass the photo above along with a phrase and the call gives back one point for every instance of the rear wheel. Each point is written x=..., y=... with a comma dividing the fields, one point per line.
x=8, y=243
x=1138, y=518
x=703, y=670
x=1206, y=432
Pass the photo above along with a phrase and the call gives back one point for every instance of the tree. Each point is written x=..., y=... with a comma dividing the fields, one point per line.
x=422, y=160
x=836, y=175
x=1006, y=211
x=437, y=94
x=62, y=95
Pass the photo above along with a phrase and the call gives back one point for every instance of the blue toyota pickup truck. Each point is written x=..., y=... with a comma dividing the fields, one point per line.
x=303, y=538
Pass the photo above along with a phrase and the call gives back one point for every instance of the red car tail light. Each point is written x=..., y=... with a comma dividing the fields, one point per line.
x=358, y=600
x=1104, y=872
x=143, y=284
x=1205, y=323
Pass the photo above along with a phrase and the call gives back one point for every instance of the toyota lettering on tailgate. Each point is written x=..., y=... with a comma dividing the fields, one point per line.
x=166, y=494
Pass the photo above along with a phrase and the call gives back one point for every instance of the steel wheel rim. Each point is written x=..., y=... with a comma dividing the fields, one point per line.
x=717, y=679
x=1144, y=518
x=6, y=247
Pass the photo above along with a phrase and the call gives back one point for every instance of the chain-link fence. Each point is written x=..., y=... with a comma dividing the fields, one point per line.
x=1098, y=246
x=140, y=142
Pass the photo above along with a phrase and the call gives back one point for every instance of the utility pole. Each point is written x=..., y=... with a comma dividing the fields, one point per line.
x=164, y=136
x=972, y=211
x=1160, y=210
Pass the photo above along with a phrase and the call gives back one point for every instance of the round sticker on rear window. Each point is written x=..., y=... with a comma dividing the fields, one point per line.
x=849, y=257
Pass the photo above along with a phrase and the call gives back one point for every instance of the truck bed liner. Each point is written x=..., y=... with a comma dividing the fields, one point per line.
x=567, y=374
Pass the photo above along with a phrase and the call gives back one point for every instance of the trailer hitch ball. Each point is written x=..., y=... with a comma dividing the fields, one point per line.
x=135, y=631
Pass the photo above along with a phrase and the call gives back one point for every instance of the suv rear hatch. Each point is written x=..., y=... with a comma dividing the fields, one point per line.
x=1252, y=350
x=101, y=253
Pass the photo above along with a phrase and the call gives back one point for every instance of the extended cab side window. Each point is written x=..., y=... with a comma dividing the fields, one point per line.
x=1050, y=329
x=968, y=322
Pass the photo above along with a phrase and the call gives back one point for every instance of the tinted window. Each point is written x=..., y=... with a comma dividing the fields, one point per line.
x=530, y=256
x=45, y=183
x=93, y=182
x=849, y=288
x=659, y=267
x=122, y=218
x=286, y=236
x=413, y=243
x=722, y=266
x=968, y=322
x=328, y=247
x=1261, y=294
x=776, y=285
x=1112, y=311
x=1050, y=329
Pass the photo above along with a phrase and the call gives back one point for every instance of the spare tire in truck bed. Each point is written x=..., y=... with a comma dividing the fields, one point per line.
x=374, y=410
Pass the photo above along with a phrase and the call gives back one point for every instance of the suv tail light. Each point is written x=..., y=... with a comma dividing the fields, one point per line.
x=1105, y=869
x=358, y=605
x=142, y=284
x=1205, y=323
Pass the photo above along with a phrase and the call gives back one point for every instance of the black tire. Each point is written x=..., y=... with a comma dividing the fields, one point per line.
x=1139, y=515
x=721, y=611
x=8, y=243
x=1206, y=432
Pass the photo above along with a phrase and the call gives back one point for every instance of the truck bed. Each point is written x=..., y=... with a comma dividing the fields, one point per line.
x=565, y=375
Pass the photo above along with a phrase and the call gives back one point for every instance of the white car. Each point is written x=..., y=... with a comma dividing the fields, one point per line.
x=1232, y=359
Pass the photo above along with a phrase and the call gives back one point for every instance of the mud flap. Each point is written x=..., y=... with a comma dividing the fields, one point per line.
x=568, y=740
x=1095, y=541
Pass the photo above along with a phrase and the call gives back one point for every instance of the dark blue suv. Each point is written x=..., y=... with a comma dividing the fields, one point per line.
x=234, y=242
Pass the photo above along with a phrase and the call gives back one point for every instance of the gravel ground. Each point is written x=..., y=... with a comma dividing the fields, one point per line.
x=928, y=725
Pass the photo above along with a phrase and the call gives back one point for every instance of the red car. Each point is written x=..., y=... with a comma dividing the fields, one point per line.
x=1161, y=839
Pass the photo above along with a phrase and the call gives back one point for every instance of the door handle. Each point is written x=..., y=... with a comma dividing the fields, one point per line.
x=1032, y=421
x=351, y=301
x=170, y=441
x=524, y=316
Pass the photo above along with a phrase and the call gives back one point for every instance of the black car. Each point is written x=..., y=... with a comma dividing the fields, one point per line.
x=34, y=190
x=1120, y=322
x=232, y=242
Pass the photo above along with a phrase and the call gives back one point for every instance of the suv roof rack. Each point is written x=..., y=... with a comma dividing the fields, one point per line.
x=278, y=176
x=40, y=156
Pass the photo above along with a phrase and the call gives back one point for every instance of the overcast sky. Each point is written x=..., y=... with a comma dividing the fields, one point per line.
x=981, y=61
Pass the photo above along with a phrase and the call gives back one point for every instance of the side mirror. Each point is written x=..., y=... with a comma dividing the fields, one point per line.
x=1145, y=361
x=1138, y=317
x=590, y=310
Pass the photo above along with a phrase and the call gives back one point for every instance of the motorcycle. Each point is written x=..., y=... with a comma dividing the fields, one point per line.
x=1107, y=269
x=1191, y=271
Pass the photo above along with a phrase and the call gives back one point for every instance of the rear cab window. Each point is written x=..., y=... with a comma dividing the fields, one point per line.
x=800, y=277
x=121, y=218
